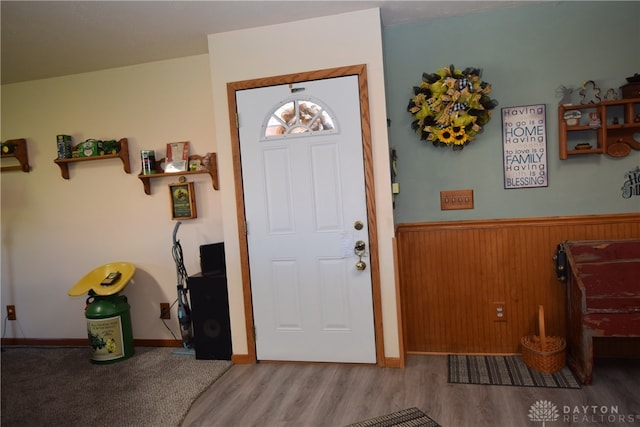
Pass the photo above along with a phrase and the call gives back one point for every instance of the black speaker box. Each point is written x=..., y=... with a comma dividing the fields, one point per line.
x=212, y=261
x=210, y=317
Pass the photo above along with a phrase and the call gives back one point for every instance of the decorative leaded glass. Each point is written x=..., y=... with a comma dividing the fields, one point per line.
x=296, y=116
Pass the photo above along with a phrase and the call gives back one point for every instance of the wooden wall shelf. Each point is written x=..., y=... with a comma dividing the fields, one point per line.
x=615, y=139
x=212, y=171
x=122, y=154
x=19, y=152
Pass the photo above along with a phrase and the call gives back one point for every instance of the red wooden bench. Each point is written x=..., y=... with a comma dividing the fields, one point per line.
x=603, y=297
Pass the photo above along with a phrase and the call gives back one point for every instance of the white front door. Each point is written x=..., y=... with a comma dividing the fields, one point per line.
x=305, y=208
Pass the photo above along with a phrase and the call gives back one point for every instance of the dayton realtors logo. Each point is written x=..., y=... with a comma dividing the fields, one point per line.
x=545, y=411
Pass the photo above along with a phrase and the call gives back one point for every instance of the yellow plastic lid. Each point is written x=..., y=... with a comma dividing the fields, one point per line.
x=92, y=280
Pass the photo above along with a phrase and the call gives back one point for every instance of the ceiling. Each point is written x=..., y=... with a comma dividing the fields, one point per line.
x=42, y=39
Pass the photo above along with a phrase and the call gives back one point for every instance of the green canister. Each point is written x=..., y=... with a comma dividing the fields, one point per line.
x=109, y=328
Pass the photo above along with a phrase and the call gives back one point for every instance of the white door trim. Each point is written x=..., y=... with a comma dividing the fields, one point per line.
x=232, y=87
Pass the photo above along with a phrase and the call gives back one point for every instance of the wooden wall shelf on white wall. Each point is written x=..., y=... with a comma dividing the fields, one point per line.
x=122, y=154
x=212, y=170
x=17, y=148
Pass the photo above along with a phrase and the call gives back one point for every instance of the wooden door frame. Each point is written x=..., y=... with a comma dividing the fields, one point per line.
x=232, y=87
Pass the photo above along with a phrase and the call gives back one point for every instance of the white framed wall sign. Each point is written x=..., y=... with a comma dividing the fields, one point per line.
x=524, y=146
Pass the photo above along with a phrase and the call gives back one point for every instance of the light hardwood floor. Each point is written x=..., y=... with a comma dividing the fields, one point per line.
x=301, y=395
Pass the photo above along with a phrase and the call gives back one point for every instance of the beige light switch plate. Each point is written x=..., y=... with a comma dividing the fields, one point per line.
x=456, y=199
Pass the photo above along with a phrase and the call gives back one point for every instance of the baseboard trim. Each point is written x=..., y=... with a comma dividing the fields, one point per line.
x=81, y=342
x=61, y=342
x=446, y=353
x=394, y=362
x=157, y=343
x=242, y=359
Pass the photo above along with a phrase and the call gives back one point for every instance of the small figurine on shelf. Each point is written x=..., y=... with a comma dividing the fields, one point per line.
x=594, y=121
x=194, y=165
x=611, y=95
x=110, y=147
x=590, y=93
x=564, y=93
x=206, y=163
x=637, y=119
x=572, y=117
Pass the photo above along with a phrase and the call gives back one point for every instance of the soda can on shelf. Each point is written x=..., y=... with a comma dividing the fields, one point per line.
x=148, y=158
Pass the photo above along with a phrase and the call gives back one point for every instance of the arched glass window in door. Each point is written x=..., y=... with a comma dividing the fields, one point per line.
x=297, y=116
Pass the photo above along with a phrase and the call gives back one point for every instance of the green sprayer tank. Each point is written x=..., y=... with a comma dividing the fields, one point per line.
x=109, y=328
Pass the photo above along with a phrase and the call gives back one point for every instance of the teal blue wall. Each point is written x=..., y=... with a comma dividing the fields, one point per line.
x=525, y=52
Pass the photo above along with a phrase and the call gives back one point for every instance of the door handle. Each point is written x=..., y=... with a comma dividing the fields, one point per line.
x=359, y=250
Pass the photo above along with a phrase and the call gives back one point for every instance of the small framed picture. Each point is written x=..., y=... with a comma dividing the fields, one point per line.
x=183, y=200
x=177, y=157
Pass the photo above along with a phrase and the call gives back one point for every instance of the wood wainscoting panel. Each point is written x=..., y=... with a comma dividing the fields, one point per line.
x=452, y=273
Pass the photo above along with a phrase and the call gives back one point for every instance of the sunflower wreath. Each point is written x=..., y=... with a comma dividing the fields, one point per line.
x=450, y=107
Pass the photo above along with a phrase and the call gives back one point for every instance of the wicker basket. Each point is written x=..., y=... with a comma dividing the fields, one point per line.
x=543, y=353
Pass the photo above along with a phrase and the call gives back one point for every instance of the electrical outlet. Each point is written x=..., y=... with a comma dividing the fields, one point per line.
x=456, y=199
x=165, y=310
x=499, y=311
x=11, y=312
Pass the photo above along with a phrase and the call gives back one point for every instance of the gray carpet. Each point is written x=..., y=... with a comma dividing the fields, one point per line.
x=412, y=417
x=505, y=370
x=61, y=387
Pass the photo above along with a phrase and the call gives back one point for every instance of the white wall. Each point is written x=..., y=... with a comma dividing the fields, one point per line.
x=54, y=231
x=335, y=41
